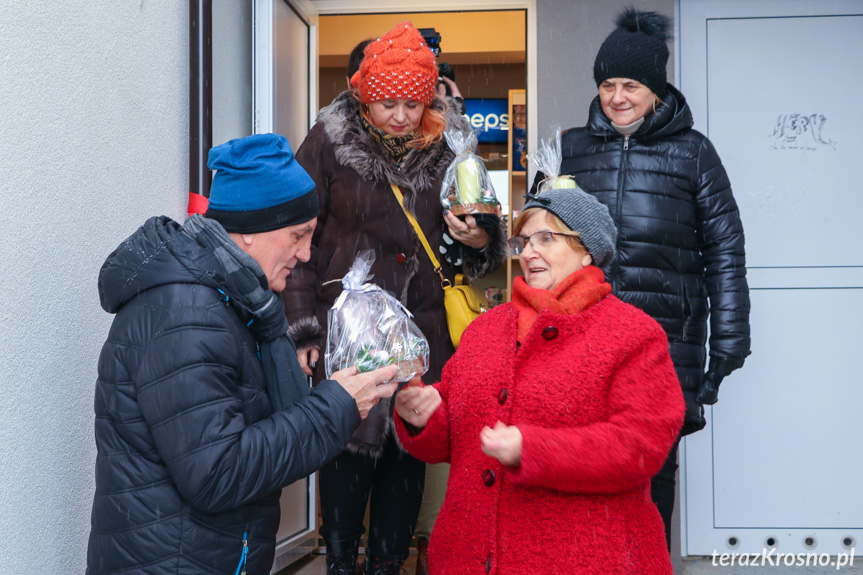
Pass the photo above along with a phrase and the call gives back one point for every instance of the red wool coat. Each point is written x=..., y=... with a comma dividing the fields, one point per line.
x=598, y=404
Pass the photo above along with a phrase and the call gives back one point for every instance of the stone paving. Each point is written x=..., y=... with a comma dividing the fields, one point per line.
x=316, y=565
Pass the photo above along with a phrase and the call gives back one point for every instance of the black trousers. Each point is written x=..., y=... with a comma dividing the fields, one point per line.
x=395, y=481
x=662, y=490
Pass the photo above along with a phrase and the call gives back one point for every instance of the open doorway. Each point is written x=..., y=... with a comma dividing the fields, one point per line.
x=486, y=52
x=300, y=53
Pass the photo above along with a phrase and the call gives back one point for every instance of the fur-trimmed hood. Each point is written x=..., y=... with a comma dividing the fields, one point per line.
x=356, y=148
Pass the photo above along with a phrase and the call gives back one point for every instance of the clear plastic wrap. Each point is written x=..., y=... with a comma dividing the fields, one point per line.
x=467, y=187
x=547, y=160
x=368, y=328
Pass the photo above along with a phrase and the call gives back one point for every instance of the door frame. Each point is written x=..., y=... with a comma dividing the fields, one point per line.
x=262, y=98
x=301, y=543
x=262, y=84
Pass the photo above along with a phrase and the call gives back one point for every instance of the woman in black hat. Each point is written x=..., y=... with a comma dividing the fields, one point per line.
x=680, y=250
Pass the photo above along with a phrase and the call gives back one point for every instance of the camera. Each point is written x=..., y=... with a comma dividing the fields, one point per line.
x=432, y=38
x=445, y=70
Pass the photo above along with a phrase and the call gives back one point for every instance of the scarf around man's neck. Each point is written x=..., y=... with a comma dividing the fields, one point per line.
x=396, y=146
x=237, y=276
x=576, y=293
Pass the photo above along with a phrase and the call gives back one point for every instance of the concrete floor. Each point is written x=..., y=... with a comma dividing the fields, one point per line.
x=316, y=565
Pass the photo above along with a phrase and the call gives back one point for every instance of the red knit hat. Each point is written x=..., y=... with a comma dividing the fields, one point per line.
x=398, y=65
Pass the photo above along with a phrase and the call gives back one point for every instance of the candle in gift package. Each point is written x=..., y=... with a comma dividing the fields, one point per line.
x=563, y=182
x=468, y=181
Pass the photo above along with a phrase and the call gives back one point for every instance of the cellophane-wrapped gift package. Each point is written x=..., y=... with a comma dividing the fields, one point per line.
x=467, y=187
x=369, y=328
x=547, y=160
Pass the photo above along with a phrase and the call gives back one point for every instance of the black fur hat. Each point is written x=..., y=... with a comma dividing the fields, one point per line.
x=636, y=50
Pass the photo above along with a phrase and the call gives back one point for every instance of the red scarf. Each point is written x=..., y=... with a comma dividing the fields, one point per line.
x=579, y=291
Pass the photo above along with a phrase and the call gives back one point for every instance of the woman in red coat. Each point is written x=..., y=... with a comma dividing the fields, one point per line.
x=555, y=412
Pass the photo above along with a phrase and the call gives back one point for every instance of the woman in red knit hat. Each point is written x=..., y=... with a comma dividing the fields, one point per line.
x=387, y=130
x=554, y=413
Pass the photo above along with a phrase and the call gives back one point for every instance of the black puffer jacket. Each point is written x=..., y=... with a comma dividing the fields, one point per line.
x=680, y=239
x=191, y=458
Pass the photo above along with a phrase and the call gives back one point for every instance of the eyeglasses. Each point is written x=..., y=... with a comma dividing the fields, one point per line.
x=537, y=240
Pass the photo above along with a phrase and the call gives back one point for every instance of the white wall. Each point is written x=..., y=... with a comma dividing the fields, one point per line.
x=93, y=140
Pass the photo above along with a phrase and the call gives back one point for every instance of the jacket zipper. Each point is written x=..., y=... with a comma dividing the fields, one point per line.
x=241, y=568
x=621, y=179
x=687, y=314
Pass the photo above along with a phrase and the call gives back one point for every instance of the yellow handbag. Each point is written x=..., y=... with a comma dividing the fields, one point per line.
x=462, y=301
x=463, y=304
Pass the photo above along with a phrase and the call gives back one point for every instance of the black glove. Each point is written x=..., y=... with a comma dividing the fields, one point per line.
x=718, y=370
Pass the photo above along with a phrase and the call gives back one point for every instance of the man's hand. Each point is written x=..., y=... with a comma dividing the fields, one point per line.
x=367, y=388
x=416, y=403
x=503, y=443
x=308, y=357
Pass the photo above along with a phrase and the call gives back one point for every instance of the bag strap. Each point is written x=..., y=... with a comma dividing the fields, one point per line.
x=397, y=191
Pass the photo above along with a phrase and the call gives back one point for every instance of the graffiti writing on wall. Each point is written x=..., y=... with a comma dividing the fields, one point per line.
x=801, y=132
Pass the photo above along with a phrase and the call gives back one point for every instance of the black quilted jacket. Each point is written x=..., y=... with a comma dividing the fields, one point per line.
x=680, y=249
x=191, y=458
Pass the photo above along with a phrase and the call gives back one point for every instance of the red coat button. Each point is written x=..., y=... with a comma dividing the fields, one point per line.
x=488, y=477
x=401, y=258
x=549, y=333
x=488, y=564
x=501, y=397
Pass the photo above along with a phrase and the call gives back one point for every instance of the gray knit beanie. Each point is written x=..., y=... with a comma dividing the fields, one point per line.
x=584, y=214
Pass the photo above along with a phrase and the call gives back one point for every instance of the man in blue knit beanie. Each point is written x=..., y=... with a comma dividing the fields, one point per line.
x=265, y=201
x=202, y=411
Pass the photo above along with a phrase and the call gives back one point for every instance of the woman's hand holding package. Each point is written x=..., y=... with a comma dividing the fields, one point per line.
x=367, y=388
x=503, y=443
x=308, y=357
x=416, y=403
x=467, y=231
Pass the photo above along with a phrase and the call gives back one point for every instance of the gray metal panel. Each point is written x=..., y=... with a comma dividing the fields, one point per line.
x=767, y=83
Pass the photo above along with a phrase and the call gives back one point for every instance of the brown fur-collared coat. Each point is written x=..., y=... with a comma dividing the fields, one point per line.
x=359, y=211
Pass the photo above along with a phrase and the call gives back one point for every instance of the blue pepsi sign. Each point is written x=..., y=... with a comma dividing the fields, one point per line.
x=489, y=118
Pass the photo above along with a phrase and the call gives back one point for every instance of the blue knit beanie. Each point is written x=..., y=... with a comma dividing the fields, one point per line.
x=259, y=186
